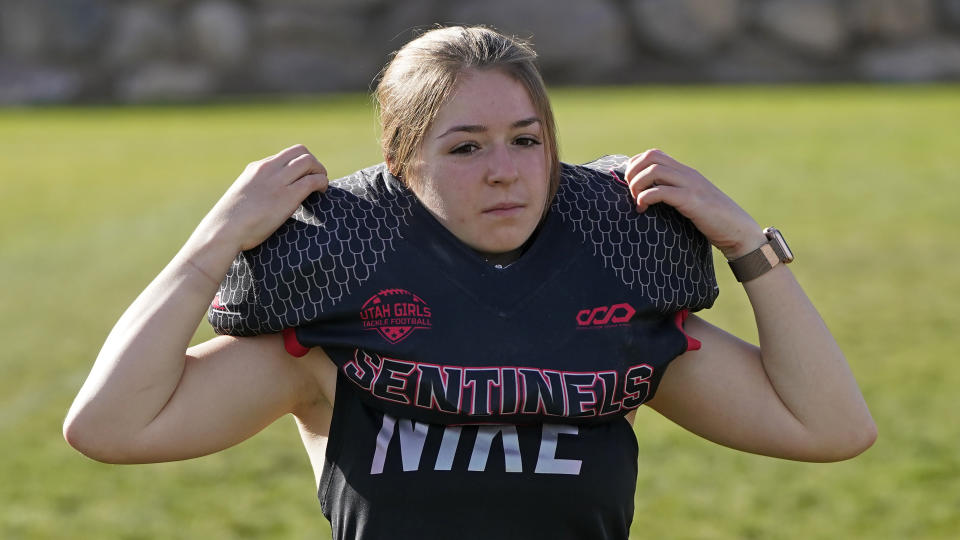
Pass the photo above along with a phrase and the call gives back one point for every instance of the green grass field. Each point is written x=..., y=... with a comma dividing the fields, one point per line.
x=863, y=180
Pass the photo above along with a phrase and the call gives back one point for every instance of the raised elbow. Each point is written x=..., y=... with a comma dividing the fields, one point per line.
x=865, y=437
x=85, y=440
x=853, y=443
x=80, y=441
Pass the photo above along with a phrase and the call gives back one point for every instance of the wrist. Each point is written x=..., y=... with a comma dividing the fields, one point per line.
x=209, y=251
x=747, y=245
x=215, y=236
x=768, y=255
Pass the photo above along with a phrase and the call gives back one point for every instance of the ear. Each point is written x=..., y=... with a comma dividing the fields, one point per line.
x=400, y=173
x=391, y=166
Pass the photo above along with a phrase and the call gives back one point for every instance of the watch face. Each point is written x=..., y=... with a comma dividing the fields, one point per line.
x=781, y=244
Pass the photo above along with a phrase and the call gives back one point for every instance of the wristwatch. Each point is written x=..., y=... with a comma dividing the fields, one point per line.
x=764, y=258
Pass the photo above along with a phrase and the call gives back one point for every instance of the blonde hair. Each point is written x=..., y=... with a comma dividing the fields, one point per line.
x=423, y=74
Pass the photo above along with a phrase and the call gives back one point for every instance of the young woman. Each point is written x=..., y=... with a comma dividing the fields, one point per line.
x=464, y=333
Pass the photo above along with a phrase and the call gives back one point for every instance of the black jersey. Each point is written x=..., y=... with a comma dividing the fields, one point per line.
x=386, y=477
x=578, y=330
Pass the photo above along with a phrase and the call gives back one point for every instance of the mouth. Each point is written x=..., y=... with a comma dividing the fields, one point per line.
x=504, y=209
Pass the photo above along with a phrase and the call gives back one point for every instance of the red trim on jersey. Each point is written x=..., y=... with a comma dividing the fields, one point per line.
x=292, y=344
x=617, y=177
x=693, y=344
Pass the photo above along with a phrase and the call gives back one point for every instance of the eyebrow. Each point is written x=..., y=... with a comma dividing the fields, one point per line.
x=476, y=128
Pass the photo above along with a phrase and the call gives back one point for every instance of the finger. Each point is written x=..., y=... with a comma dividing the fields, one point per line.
x=271, y=164
x=287, y=155
x=293, y=195
x=653, y=175
x=310, y=183
x=660, y=194
x=301, y=166
x=653, y=156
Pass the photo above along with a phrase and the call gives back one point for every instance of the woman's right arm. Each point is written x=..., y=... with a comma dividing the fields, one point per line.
x=150, y=399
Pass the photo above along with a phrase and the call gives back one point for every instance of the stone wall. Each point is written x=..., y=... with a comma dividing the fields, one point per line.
x=161, y=50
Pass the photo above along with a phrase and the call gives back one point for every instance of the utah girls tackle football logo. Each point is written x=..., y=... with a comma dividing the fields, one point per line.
x=395, y=313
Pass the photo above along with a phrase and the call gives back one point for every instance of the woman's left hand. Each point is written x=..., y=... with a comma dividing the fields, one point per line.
x=792, y=397
x=655, y=177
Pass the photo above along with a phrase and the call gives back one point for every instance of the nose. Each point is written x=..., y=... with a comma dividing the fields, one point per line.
x=502, y=166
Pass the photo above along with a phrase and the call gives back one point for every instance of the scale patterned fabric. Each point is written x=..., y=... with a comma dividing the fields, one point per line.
x=488, y=402
x=579, y=330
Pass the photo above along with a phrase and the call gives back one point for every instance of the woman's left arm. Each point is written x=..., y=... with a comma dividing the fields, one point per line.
x=794, y=396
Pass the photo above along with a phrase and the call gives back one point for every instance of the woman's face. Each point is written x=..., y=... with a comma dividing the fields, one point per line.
x=482, y=169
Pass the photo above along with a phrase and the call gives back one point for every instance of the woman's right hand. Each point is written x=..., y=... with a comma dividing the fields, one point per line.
x=265, y=195
x=147, y=398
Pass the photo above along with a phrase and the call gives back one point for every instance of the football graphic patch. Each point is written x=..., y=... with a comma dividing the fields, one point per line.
x=395, y=313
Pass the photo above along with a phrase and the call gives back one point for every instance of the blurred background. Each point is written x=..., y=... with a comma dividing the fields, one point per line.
x=122, y=122
x=66, y=51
